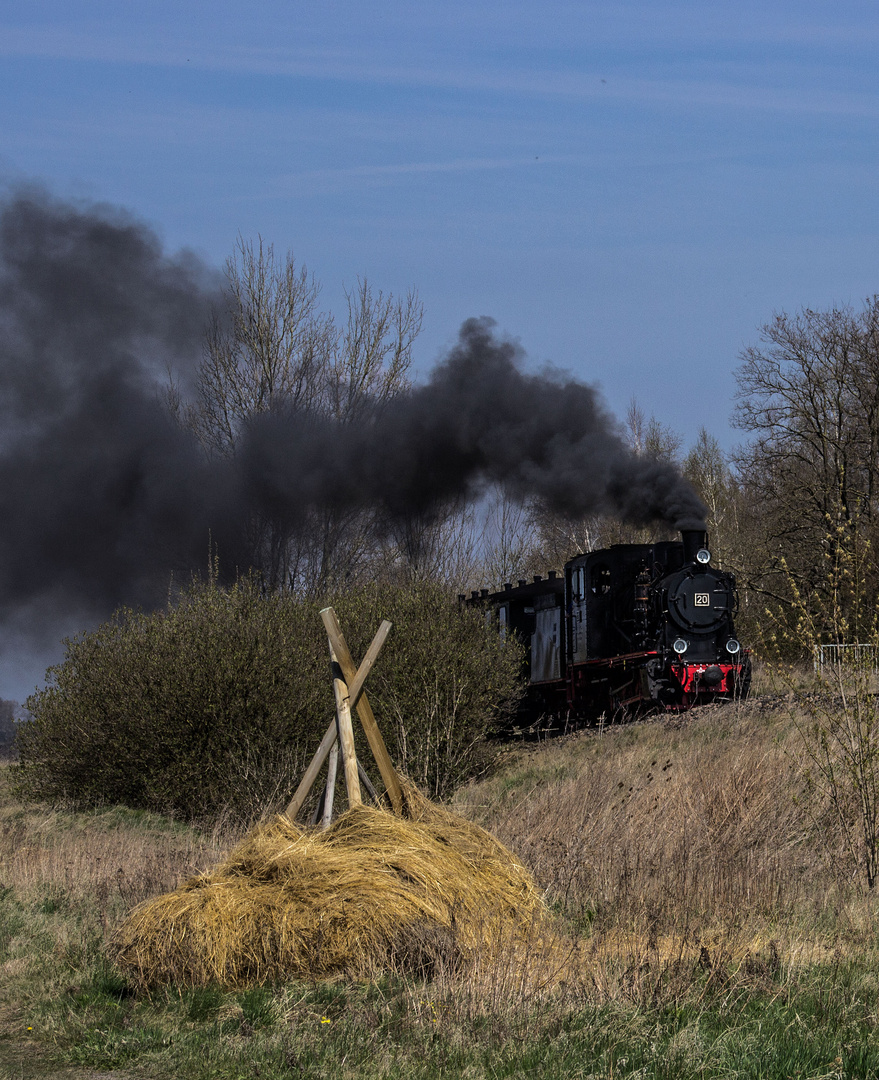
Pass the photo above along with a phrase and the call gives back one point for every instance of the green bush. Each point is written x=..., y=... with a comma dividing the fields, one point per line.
x=217, y=703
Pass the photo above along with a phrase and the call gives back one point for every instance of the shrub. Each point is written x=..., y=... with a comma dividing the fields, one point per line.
x=840, y=722
x=217, y=702
x=181, y=710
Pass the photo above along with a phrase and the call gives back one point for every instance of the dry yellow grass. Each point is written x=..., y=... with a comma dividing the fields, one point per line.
x=113, y=854
x=672, y=825
x=374, y=892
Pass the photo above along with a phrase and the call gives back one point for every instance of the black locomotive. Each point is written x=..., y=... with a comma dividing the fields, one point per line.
x=628, y=628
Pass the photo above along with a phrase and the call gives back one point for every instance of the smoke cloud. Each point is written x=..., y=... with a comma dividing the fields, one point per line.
x=103, y=496
x=479, y=419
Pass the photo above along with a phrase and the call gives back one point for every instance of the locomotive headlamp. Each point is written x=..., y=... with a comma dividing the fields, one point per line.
x=732, y=646
x=703, y=555
x=680, y=646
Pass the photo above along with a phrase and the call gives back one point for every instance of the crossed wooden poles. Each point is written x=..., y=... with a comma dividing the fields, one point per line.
x=348, y=683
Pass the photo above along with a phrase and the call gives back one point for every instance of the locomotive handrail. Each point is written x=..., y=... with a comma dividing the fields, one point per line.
x=647, y=654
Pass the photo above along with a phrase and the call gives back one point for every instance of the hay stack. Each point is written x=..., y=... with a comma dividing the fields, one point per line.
x=374, y=892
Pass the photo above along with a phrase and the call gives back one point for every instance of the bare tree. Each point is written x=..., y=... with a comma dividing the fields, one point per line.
x=508, y=540
x=371, y=358
x=439, y=545
x=651, y=438
x=809, y=397
x=707, y=469
x=272, y=348
x=370, y=364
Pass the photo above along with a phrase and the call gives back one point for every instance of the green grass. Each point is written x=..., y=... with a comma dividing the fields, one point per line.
x=693, y=1019
x=824, y=1025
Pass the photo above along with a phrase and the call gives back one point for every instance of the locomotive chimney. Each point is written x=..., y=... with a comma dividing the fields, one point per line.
x=693, y=539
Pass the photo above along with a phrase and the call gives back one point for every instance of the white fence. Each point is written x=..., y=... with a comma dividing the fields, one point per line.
x=858, y=657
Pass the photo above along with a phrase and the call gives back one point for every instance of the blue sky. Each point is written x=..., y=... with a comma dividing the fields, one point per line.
x=629, y=188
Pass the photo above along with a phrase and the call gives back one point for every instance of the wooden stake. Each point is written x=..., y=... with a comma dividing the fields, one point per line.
x=367, y=783
x=346, y=732
x=330, y=790
x=364, y=709
x=318, y=811
x=355, y=679
x=355, y=686
x=305, y=785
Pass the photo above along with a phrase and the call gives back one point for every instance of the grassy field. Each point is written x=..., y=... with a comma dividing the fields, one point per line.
x=711, y=929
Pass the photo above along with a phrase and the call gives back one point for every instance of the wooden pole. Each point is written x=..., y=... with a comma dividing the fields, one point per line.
x=318, y=811
x=367, y=783
x=298, y=800
x=364, y=709
x=346, y=732
x=355, y=679
x=355, y=686
x=330, y=790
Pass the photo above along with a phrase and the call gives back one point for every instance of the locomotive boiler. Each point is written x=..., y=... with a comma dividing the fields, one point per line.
x=625, y=629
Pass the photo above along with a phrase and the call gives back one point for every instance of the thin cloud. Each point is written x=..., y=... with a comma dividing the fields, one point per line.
x=351, y=67
x=410, y=167
x=711, y=94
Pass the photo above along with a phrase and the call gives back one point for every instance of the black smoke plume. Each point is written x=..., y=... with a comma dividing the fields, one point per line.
x=103, y=496
x=479, y=419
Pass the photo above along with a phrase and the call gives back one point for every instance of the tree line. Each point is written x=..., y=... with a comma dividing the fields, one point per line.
x=789, y=509
x=794, y=509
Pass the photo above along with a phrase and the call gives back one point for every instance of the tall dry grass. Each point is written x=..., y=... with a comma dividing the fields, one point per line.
x=106, y=860
x=702, y=932
x=693, y=830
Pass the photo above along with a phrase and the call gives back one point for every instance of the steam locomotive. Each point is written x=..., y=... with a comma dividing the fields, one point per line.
x=626, y=629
